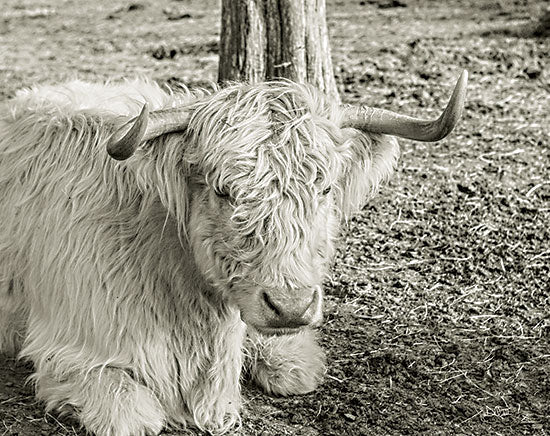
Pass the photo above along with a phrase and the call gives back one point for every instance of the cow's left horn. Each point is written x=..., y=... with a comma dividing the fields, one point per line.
x=382, y=121
x=144, y=127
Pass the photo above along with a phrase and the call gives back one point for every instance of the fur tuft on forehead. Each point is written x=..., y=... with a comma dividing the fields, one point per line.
x=273, y=148
x=274, y=134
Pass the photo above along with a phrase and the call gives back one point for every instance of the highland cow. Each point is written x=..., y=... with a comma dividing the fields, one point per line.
x=141, y=259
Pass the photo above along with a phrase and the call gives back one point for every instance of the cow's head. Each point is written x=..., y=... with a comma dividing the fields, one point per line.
x=269, y=171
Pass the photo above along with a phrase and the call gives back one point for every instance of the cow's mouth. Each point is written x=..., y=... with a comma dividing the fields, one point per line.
x=277, y=331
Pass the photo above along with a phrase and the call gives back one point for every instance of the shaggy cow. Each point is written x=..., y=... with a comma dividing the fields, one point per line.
x=142, y=260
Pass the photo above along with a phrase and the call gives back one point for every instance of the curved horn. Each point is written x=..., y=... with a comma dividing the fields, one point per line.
x=382, y=121
x=144, y=127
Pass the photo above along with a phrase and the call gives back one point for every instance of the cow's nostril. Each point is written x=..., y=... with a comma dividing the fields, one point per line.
x=270, y=304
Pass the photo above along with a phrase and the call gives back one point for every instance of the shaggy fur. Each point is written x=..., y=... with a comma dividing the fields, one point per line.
x=285, y=365
x=127, y=283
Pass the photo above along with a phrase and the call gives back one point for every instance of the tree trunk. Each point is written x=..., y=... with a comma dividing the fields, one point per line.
x=267, y=39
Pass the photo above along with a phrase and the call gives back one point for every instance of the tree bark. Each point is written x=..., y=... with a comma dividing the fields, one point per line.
x=268, y=39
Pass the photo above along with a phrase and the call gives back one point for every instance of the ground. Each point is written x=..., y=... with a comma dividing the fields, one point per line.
x=437, y=311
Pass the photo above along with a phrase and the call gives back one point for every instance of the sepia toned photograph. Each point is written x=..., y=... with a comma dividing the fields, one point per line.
x=274, y=217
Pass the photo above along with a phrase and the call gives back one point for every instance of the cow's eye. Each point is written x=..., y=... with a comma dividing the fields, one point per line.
x=327, y=190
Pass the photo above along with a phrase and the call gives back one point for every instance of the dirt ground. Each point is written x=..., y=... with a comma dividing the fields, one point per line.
x=438, y=305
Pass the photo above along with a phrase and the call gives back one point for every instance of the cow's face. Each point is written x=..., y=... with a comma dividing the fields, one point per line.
x=260, y=178
x=267, y=179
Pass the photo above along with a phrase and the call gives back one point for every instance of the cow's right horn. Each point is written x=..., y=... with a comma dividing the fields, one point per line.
x=144, y=127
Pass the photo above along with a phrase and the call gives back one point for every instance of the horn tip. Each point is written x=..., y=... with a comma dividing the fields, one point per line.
x=461, y=90
x=463, y=79
x=145, y=109
x=454, y=109
x=124, y=147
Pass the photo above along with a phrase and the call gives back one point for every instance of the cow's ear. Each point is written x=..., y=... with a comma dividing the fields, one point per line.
x=371, y=159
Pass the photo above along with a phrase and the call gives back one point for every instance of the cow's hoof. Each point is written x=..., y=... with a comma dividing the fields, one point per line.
x=286, y=365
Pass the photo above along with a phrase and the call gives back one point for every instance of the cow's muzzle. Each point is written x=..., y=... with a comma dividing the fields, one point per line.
x=291, y=311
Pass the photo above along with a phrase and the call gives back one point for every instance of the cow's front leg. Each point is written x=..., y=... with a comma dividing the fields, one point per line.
x=286, y=364
x=107, y=401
